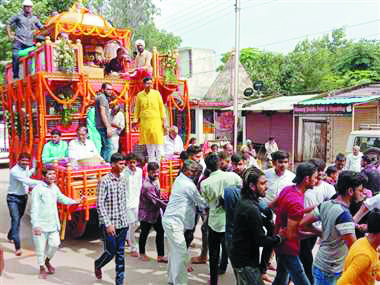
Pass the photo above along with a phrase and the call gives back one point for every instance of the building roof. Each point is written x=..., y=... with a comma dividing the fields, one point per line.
x=340, y=101
x=283, y=103
x=356, y=95
x=221, y=89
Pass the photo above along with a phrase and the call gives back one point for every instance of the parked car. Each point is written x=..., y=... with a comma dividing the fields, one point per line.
x=366, y=139
x=4, y=144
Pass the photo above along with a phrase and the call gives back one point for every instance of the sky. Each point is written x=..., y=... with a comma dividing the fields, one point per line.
x=272, y=25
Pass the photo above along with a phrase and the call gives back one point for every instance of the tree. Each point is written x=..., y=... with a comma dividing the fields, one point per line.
x=261, y=65
x=330, y=62
x=326, y=63
x=139, y=16
x=309, y=62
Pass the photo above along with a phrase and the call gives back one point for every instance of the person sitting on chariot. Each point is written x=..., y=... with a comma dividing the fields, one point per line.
x=83, y=150
x=56, y=149
x=119, y=63
x=172, y=142
x=99, y=57
x=143, y=62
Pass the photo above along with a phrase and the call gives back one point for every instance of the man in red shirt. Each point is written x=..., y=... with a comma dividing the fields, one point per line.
x=289, y=211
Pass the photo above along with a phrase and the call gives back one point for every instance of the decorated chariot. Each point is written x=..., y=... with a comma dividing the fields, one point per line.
x=56, y=88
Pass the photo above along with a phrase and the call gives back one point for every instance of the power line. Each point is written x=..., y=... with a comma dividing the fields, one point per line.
x=205, y=23
x=257, y=5
x=317, y=33
x=301, y=37
x=304, y=36
x=223, y=15
x=188, y=14
x=184, y=25
x=371, y=35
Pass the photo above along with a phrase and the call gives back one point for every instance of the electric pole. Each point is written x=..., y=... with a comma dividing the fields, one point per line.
x=236, y=71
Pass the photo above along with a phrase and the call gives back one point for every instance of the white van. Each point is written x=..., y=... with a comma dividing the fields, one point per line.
x=366, y=139
x=4, y=144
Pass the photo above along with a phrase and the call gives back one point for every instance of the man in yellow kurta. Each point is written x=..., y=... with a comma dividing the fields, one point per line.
x=150, y=114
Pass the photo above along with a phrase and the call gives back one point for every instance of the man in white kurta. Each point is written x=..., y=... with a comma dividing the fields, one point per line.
x=354, y=159
x=45, y=220
x=134, y=176
x=173, y=143
x=180, y=216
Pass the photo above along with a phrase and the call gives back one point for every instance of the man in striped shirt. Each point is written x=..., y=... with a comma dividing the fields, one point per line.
x=112, y=210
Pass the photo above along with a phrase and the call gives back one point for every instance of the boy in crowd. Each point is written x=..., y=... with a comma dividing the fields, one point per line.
x=134, y=176
x=338, y=230
x=150, y=212
x=195, y=153
x=239, y=163
x=322, y=191
x=248, y=234
x=45, y=220
x=225, y=161
x=111, y=197
x=212, y=189
x=279, y=176
x=340, y=162
x=331, y=175
x=370, y=172
x=289, y=211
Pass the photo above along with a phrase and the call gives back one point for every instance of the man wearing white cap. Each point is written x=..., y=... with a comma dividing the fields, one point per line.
x=143, y=57
x=23, y=24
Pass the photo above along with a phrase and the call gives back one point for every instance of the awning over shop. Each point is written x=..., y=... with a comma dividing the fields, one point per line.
x=279, y=104
x=333, y=105
x=340, y=100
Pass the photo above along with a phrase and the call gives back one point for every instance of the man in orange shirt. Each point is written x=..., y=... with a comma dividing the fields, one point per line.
x=362, y=265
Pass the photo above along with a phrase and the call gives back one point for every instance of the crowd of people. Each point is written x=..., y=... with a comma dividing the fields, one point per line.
x=248, y=215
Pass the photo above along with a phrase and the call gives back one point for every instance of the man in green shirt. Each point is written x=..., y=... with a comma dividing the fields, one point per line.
x=212, y=190
x=56, y=149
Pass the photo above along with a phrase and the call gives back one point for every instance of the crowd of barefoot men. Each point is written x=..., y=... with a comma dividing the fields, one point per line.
x=259, y=220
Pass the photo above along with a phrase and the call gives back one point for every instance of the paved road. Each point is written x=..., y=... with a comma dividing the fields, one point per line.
x=74, y=261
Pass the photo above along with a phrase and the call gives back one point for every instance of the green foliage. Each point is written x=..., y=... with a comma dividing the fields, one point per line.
x=169, y=62
x=323, y=64
x=162, y=40
x=65, y=56
x=139, y=16
x=363, y=55
x=66, y=115
x=261, y=65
